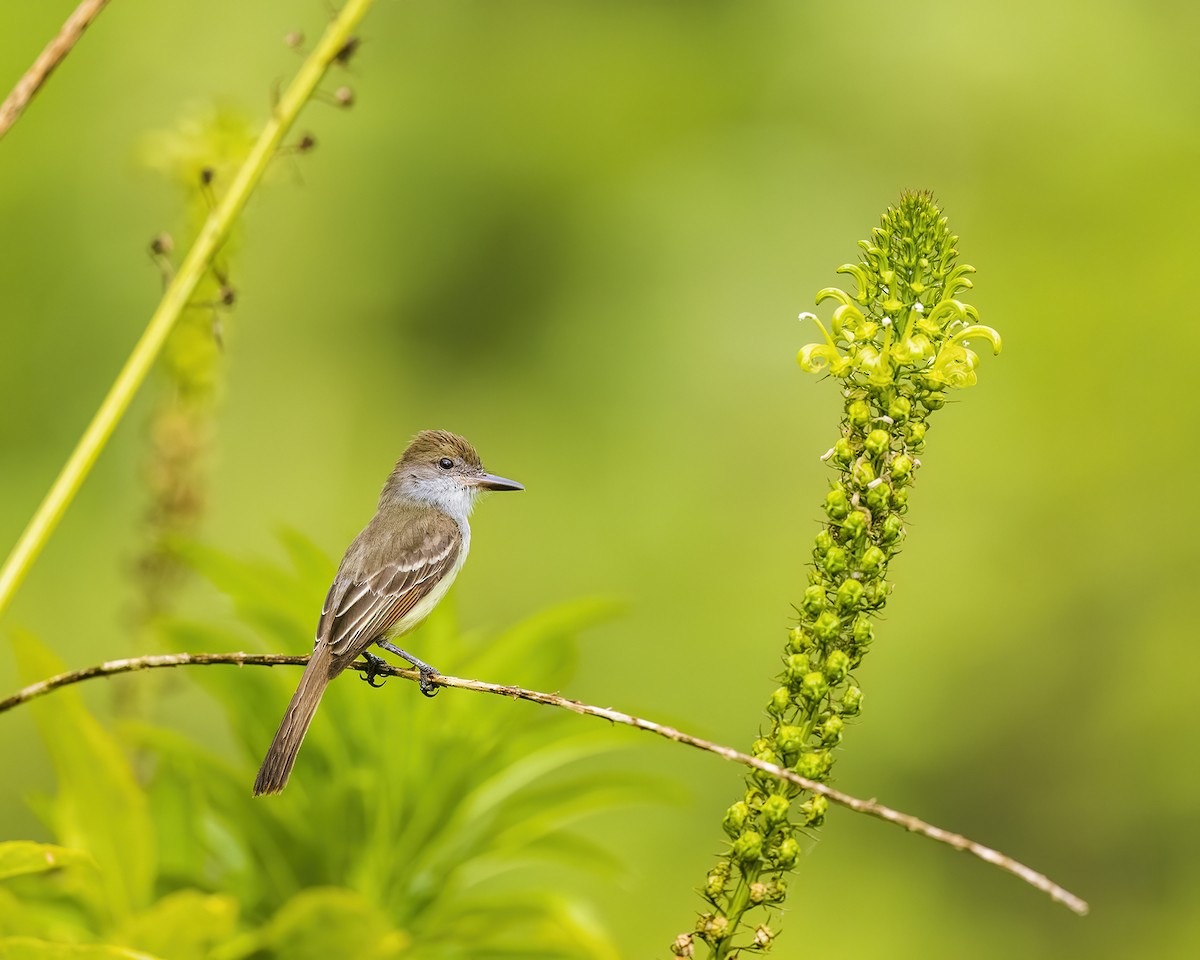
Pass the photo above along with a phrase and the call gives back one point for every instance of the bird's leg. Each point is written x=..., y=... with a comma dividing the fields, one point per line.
x=427, y=687
x=372, y=671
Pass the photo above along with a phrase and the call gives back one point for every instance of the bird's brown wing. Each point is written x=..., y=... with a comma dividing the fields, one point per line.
x=391, y=566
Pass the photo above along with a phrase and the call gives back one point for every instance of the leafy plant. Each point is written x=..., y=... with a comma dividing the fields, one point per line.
x=406, y=831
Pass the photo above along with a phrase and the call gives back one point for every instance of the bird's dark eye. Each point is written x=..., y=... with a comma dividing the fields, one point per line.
x=445, y=463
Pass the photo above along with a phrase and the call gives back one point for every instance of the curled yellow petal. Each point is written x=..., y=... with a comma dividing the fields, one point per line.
x=833, y=293
x=860, y=277
x=979, y=330
x=815, y=357
x=848, y=322
x=912, y=349
x=955, y=365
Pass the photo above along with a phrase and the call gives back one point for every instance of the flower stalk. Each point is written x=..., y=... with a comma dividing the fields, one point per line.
x=897, y=345
x=176, y=299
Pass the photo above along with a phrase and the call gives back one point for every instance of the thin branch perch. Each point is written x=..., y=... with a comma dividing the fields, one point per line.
x=54, y=54
x=871, y=808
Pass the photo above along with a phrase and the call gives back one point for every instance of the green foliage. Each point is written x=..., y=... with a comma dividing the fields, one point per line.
x=30, y=948
x=408, y=828
x=20, y=857
x=99, y=808
x=897, y=344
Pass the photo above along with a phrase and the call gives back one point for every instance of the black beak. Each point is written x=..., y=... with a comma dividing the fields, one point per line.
x=489, y=481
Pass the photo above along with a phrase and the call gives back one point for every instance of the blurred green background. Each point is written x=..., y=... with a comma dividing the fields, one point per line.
x=579, y=234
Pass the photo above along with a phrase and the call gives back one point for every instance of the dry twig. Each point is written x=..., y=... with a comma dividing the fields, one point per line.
x=56, y=50
x=871, y=808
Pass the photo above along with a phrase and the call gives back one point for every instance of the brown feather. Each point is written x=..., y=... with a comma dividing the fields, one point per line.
x=391, y=566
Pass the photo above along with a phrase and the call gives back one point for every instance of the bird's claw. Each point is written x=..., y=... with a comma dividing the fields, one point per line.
x=371, y=673
x=428, y=687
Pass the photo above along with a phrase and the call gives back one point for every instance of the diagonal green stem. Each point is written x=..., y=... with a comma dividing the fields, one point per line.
x=214, y=233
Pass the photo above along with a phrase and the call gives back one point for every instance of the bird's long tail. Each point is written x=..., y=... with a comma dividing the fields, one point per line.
x=277, y=765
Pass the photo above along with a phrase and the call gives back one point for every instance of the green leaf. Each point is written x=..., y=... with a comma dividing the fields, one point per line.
x=19, y=857
x=184, y=925
x=99, y=808
x=325, y=922
x=30, y=948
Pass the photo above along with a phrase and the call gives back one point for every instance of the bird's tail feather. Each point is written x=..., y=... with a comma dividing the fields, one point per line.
x=277, y=765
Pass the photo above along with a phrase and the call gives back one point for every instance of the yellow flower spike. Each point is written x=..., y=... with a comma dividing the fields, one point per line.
x=898, y=346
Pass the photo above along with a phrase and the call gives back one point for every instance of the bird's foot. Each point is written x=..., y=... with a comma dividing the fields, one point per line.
x=374, y=665
x=428, y=687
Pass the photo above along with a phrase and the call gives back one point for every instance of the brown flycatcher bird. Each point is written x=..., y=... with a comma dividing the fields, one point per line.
x=392, y=576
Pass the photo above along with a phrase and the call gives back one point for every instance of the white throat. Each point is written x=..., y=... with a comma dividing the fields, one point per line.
x=453, y=498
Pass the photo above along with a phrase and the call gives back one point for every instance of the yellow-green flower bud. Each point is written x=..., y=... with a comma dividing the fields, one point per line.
x=848, y=594
x=834, y=561
x=814, y=687
x=873, y=561
x=878, y=498
x=715, y=928
x=798, y=640
x=787, y=854
x=863, y=473
x=795, y=668
x=877, y=442
x=899, y=409
x=851, y=701
x=814, y=810
x=780, y=701
x=914, y=432
x=830, y=731
x=892, y=528
x=843, y=451
x=775, y=809
x=854, y=525
x=824, y=541
x=901, y=468
x=836, y=665
x=814, y=600
x=876, y=592
x=934, y=399
x=813, y=765
x=735, y=818
x=827, y=627
x=863, y=630
x=747, y=848
x=789, y=740
x=858, y=413
x=837, y=504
